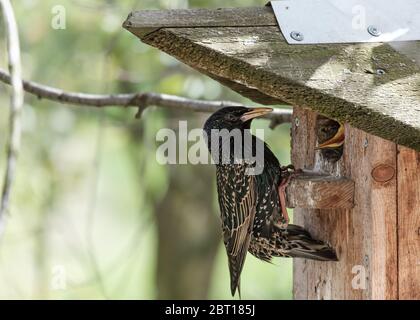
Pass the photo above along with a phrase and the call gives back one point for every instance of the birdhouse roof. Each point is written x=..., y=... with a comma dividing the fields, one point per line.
x=372, y=86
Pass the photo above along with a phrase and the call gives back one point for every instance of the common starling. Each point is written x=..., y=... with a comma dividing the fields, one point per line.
x=253, y=211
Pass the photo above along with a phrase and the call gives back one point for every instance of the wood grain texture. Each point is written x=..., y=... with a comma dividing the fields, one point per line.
x=409, y=223
x=340, y=80
x=146, y=21
x=365, y=237
x=322, y=192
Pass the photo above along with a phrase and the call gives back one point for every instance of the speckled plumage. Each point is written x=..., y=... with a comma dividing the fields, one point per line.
x=250, y=206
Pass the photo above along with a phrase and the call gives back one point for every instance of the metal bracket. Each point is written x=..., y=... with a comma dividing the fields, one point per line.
x=349, y=21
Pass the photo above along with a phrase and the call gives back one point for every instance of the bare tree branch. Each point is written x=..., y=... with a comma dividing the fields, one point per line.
x=16, y=104
x=140, y=100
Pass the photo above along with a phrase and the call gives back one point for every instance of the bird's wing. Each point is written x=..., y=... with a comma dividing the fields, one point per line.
x=237, y=200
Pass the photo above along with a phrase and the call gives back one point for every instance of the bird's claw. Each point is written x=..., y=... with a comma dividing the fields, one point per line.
x=287, y=173
x=283, y=222
x=290, y=170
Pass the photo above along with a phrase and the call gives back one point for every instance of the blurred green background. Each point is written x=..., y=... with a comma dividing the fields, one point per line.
x=93, y=215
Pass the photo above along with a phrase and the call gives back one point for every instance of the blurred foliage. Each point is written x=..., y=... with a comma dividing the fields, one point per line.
x=88, y=184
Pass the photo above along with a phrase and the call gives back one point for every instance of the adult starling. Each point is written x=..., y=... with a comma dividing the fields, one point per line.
x=253, y=210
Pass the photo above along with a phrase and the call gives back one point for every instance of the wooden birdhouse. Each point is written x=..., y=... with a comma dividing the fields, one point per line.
x=365, y=197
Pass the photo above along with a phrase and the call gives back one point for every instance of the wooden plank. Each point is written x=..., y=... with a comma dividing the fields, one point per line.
x=371, y=86
x=409, y=223
x=320, y=192
x=309, y=281
x=146, y=21
x=371, y=159
x=365, y=236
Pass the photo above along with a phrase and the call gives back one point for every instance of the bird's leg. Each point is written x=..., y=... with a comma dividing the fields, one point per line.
x=282, y=197
x=288, y=175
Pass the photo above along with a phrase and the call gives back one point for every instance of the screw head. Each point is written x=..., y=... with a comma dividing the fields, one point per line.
x=296, y=35
x=374, y=31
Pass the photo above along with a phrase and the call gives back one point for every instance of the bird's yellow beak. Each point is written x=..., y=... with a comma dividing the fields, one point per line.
x=255, y=113
x=335, y=142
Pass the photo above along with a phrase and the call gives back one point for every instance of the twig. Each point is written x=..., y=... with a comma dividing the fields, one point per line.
x=140, y=100
x=16, y=104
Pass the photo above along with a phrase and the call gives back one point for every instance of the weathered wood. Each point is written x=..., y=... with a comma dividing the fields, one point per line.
x=251, y=93
x=365, y=236
x=320, y=192
x=377, y=200
x=309, y=280
x=409, y=223
x=371, y=86
x=147, y=21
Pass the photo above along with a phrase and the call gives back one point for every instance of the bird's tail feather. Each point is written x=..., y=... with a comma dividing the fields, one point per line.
x=302, y=245
x=236, y=263
x=235, y=269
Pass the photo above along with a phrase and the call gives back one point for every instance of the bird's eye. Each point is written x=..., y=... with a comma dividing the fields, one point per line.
x=230, y=117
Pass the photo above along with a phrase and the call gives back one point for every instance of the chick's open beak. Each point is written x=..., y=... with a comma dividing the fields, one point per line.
x=255, y=113
x=335, y=142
